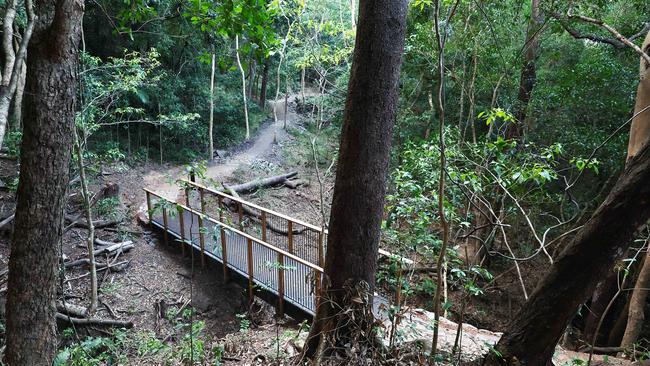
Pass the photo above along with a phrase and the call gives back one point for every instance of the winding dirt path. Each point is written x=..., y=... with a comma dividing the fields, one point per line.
x=163, y=181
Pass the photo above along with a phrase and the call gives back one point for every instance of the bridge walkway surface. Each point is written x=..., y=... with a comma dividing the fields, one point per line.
x=272, y=254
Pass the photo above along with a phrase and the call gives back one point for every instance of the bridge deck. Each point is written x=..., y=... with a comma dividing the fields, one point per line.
x=274, y=253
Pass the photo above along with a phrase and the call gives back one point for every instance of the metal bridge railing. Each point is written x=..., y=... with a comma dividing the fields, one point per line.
x=286, y=274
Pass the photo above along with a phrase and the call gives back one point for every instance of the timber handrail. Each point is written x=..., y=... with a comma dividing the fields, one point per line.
x=290, y=219
x=238, y=232
x=257, y=207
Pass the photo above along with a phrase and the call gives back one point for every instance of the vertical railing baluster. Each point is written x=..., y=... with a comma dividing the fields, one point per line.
x=250, y=270
x=181, y=221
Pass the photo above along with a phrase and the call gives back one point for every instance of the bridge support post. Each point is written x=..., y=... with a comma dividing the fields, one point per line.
x=201, y=227
x=240, y=209
x=290, y=235
x=149, y=209
x=250, y=270
x=224, y=247
x=263, y=218
x=280, y=309
x=202, y=239
x=165, y=224
x=181, y=221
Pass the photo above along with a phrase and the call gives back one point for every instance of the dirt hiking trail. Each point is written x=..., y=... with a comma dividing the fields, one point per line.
x=163, y=182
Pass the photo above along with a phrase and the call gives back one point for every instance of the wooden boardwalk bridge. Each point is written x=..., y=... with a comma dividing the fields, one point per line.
x=273, y=253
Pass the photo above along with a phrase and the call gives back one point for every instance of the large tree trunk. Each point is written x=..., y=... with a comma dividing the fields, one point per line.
x=528, y=73
x=44, y=174
x=639, y=135
x=531, y=337
x=360, y=185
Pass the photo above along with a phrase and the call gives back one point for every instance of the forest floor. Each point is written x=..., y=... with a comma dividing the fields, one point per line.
x=161, y=291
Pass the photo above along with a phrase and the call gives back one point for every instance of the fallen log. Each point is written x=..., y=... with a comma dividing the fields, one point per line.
x=254, y=185
x=114, y=247
x=76, y=221
x=94, y=321
x=295, y=183
x=71, y=309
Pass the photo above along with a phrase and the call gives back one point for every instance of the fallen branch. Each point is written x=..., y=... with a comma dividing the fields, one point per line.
x=117, y=267
x=98, y=224
x=94, y=321
x=7, y=221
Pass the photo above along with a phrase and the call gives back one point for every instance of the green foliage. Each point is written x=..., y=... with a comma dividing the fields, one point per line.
x=12, y=142
x=108, y=207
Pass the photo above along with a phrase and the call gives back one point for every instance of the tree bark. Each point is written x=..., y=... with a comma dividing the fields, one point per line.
x=211, y=126
x=11, y=75
x=265, y=81
x=531, y=337
x=18, y=98
x=640, y=128
x=360, y=186
x=44, y=174
x=635, y=315
x=639, y=135
x=528, y=73
x=243, y=88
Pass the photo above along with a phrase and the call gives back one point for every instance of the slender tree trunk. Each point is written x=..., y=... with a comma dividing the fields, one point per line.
x=286, y=102
x=7, y=41
x=18, y=98
x=211, y=126
x=265, y=81
x=282, y=53
x=357, y=206
x=243, y=87
x=90, y=239
x=531, y=337
x=636, y=316
x=302, y=85
x=353, y=16
x=44, y=174
x=528, y=73
x=251, y=76
x=14, y=63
